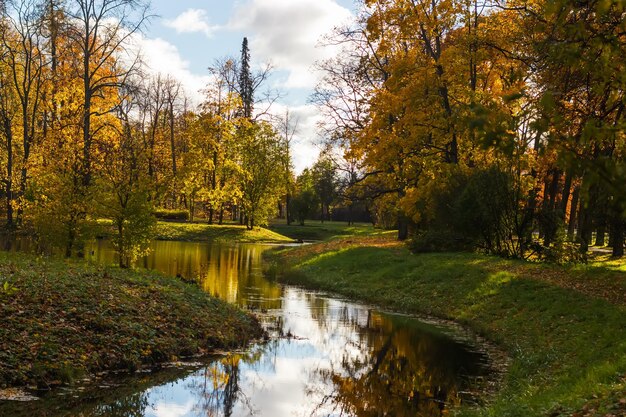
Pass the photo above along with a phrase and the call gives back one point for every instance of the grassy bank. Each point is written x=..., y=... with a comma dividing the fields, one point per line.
x=65, y=319
x=315, y=230
x=204, y=232
x=564, y=328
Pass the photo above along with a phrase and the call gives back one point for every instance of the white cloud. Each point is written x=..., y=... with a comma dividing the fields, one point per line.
x=163, y=409
x=288, y=32
x=192, y=21
x=305, y=149
x=162, y=57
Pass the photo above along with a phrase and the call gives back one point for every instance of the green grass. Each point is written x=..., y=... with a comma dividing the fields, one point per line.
x=567, y=345
x=62, y=319
x=315, y=230
x=204, y=232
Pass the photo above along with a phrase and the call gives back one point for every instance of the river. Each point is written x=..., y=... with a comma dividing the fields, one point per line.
x=326, y=356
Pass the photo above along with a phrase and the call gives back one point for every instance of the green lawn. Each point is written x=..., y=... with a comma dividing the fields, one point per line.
x=62, y=319
x=315, y=230
x=564, y=328
x=204, y=232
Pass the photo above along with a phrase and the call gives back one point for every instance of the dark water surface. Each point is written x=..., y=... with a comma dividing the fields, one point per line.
x=326, y=357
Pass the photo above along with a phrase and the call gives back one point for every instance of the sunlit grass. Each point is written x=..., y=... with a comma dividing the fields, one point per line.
x=204, y=232
x=562, y=326
x=315, y=230
x=201, y=232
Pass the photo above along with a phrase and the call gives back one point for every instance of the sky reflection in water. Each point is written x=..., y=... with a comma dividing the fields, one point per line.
x=327, y=357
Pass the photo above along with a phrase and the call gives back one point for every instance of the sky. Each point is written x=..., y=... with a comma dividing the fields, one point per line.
x=187, y=36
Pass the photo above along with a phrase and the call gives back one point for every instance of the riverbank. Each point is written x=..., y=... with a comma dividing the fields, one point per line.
x=204, y=232
x=63, y=320
x=315, y=230
x=563, y=327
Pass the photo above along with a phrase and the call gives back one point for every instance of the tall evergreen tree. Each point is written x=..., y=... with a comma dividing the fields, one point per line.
x=246, y=87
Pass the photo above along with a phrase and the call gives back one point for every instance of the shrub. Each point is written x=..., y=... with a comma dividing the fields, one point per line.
x=477, y=209
x=560, y=251
x=303, y=205
x=440, y=241
x=171, y=214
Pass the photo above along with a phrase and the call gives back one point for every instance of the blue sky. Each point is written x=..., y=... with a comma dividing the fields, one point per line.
x=188, y=35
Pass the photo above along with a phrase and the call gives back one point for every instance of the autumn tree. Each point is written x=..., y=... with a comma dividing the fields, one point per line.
x=582, y=100
x=23, y=83
x=261, y=174
x=288, y=128
x=124, y=188
x=101, y=29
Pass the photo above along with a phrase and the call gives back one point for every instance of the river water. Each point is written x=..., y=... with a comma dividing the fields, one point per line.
x=326, y=356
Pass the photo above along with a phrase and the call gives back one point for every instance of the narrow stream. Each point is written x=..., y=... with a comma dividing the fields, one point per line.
x=326, y=356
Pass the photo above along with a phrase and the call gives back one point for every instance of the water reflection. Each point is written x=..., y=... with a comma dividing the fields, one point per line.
x=328, y=357
x=230, y=272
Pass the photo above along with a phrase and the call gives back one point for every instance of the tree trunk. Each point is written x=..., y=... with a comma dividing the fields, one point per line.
x=350, y=215
x=528, y=223
x=585, y=218
x=192, y=205
x=403, y=227
x=617, y=232
x=550, y=232
x=601, y=235
x=9, y=181
x=172, y=139
x=566, y=194
x=554, y=188
x=120, y=235
x=584, y=228
x=86, y=117
x=601, y=217
x=70, y=242
x=573, y=211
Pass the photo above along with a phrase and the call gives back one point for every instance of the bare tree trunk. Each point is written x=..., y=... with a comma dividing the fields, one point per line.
x=172, y=139
x=573, y=212
x=586, y=219
x=601, y=217
x=617, y=237
x=9, y=171
x=403, y=228
x=550, y=207
x=567, y=186
x=288, y=208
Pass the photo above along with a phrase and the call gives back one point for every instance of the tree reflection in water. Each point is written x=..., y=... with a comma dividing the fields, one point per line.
x=133, y=405
x=398, y=372
x=220, y=391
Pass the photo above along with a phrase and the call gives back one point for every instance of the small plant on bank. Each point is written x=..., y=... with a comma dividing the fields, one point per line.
x=7, y=288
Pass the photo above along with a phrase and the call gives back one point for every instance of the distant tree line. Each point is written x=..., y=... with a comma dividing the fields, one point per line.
x=322, y=192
